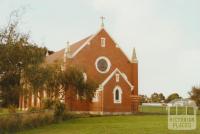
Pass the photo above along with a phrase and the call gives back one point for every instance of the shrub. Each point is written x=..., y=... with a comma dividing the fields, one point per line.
x=34, y=120
x=59, y=110
x=19, y=121
x=10, y=123
x=16, y=122
x=12, y=109
x=33, y=109
x=48, y=103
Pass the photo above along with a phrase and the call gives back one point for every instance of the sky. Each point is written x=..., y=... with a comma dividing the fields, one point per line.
x=165, y=33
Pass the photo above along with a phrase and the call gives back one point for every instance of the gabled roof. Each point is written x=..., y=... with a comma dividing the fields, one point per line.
x=110, y=77
x=77, y=47
x=59, y=55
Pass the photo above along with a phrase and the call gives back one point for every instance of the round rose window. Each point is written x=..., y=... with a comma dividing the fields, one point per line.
x=103, y=64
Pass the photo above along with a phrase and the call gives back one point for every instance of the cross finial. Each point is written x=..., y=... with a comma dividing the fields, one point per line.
x=102, y=19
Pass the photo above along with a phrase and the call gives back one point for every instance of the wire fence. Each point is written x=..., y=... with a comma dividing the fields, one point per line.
x=163, y=110
x=142, y=109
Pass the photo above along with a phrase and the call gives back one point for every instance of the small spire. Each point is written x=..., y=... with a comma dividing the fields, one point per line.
x=102, y=19
x=67, y=50
x=68, y=47
x=67, y=53
x=47, y=53
x=134, y=57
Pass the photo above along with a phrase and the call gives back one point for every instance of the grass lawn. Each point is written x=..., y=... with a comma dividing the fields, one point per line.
x=3, y=111
x=133, y=124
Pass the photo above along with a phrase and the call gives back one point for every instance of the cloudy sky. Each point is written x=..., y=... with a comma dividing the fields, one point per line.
x=165, y=33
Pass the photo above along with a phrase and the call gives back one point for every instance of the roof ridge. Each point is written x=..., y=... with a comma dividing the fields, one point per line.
x=58, y=55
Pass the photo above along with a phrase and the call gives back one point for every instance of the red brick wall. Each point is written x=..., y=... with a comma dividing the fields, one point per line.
x=97, y=106
x=108, y=101
x=135, y=78
x=74, y=104
x=86, y=58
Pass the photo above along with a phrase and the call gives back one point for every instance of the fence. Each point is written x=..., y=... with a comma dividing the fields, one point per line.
x=159, y=110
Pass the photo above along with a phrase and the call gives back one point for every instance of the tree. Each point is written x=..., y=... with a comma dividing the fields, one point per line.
x=57, y=82
x=195, y=95
x=161, y=97
x=0, y=98
x=143, y=99
x=54, y=81
x=73, y=82
x=17, y=55
x=172, y=97
x=157, y=97
x=23, y=71
x=35, y=79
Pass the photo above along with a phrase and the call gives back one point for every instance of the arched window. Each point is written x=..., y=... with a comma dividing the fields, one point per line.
x=117, y=94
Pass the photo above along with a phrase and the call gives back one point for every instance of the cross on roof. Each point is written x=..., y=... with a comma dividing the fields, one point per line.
x=102, y=19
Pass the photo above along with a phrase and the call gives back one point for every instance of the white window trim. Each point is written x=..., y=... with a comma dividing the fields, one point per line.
x=96, y=97
x=117, y=77
x=124, y=75
x=103, y=42
x=101, y=86
x=120, y=95
x=108, y=62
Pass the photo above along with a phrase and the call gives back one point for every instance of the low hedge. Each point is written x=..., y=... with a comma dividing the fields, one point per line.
x=16, y=122
x=12, y=123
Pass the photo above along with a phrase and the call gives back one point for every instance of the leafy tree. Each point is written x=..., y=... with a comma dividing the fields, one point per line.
x=59, y=110
x=35, y=79
x=73, y=83
x=73, y=78
x=172, y=97
x=143, y=99
x=0, y=99
x=22, y=70
x=161, y=97
x=53, y=82
x=57, y=83
x=157, y=97
x=195, y=95
x=17, y=55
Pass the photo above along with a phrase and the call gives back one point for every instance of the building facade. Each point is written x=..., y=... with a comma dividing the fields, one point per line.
x=102, y=60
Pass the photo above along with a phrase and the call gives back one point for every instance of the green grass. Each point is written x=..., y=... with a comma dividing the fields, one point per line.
x=133, y=124
x=3, y=111
x=153, y=109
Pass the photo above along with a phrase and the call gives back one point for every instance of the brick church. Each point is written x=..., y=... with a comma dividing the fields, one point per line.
x=103, y=60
